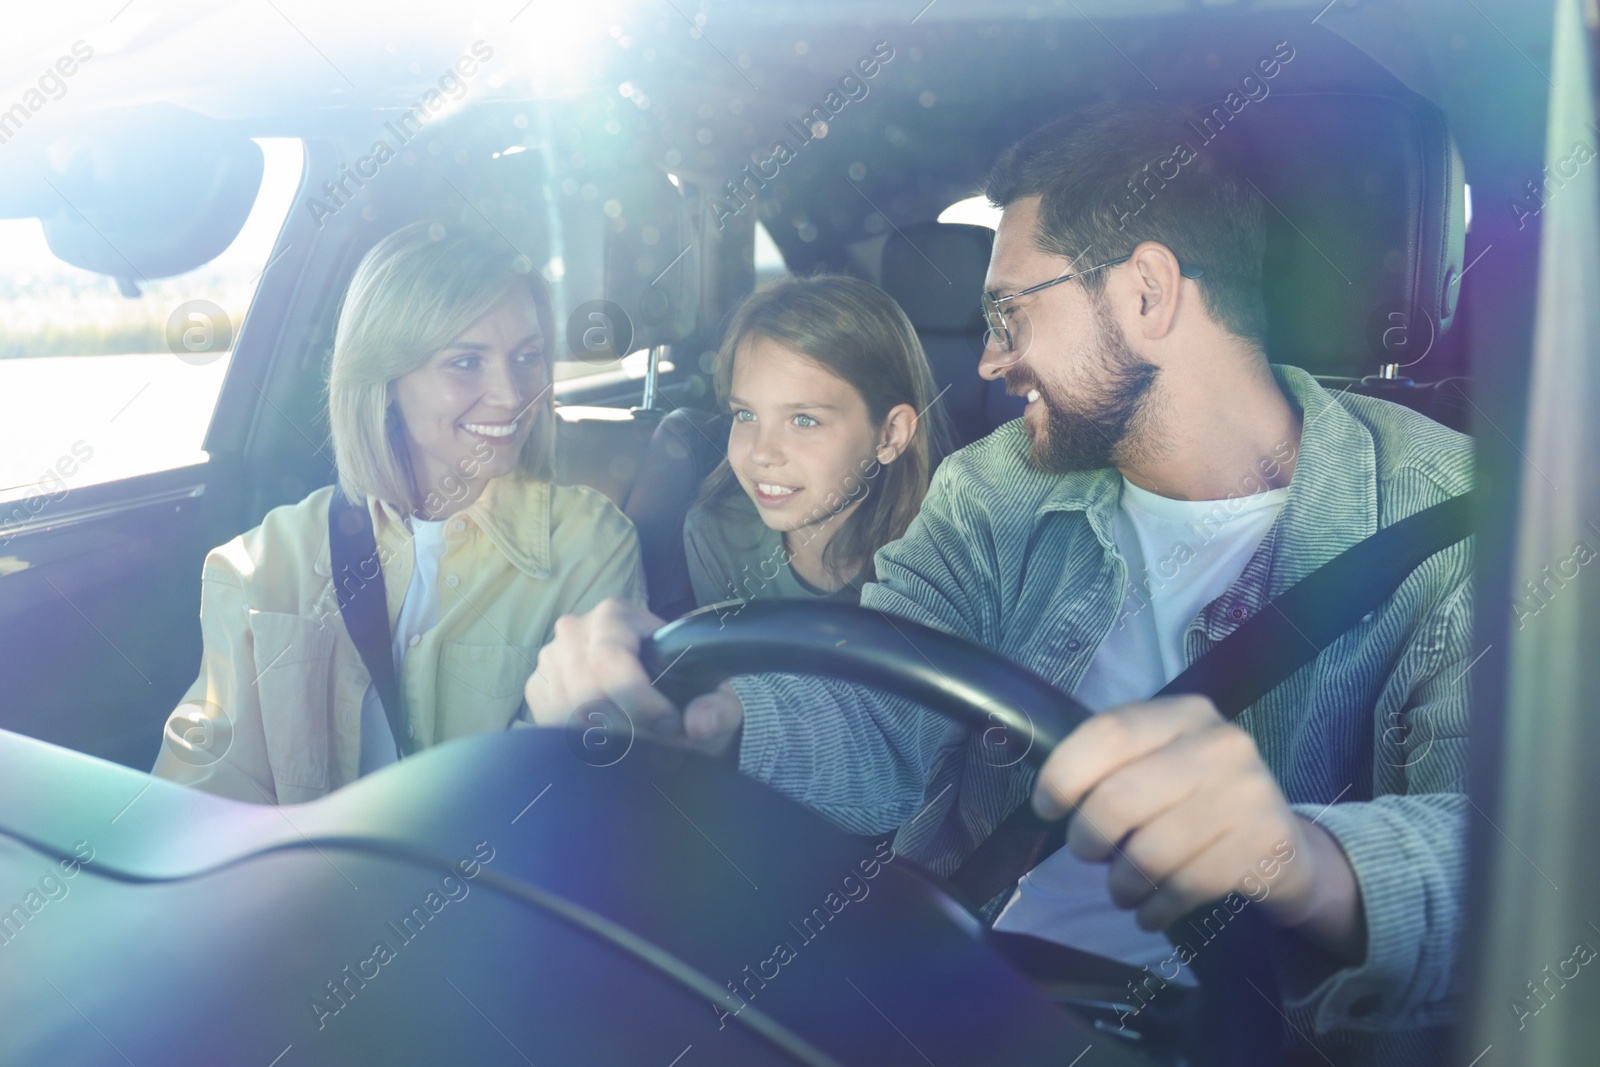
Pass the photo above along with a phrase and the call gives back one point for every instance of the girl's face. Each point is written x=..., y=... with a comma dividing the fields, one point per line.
x=802, y=441
x=468, y=409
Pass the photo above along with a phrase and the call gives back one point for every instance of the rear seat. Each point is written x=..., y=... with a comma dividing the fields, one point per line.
x=935, y=272
x=602, y=448
x=686, y=447
x=650, y=465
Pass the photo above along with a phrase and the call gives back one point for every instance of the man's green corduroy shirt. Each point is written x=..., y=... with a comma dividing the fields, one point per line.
x=1369, y=739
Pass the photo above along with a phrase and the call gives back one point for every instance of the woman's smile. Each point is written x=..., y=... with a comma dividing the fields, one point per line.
x=492, y=431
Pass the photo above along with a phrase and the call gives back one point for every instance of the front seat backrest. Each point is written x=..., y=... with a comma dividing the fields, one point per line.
x=1366, y=227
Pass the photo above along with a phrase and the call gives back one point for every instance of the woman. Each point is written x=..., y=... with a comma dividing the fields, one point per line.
x=834, y=438
x=443, y=426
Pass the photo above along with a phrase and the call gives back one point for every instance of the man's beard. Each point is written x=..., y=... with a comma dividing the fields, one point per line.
x=1100, y=427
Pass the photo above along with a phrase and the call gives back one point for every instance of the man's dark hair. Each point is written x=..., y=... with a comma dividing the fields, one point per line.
x=1114, y=175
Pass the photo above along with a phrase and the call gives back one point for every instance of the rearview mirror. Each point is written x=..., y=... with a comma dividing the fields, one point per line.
x=137, y=193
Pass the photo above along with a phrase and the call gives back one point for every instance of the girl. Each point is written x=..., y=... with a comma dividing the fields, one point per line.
x=834, y=438
x=443, y=431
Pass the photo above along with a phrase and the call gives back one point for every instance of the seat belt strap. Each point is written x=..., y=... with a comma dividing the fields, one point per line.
x=1306, y=618
x=358, y=584
x=1250, y=662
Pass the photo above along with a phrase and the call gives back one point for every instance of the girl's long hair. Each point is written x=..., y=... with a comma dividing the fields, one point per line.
x=857, y=332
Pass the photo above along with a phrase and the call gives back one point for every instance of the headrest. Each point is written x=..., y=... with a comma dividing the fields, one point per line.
x=942, y=299
x=1366, y=226
x=652, y=266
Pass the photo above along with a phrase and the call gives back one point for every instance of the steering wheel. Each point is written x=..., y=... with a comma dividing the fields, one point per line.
x=1012, y=708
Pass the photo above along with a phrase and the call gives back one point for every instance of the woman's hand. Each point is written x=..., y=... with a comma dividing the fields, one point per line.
x=594, y=658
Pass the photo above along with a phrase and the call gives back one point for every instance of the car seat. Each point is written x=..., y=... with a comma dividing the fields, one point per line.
x=935, y=271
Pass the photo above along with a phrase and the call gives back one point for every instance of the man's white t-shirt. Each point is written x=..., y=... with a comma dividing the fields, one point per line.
x=1181, y=555
x=419, y=613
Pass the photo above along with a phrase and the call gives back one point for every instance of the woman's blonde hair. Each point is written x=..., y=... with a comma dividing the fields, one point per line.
x=412, y=294
x=857, y=332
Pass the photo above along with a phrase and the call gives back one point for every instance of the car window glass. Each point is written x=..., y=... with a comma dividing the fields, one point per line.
x=96, y=385
x=974, y=210
x=769, y=258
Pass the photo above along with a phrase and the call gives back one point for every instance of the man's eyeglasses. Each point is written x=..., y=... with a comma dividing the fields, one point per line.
x=999, y=333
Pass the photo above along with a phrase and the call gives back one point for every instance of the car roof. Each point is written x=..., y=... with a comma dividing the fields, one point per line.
x=704, y=90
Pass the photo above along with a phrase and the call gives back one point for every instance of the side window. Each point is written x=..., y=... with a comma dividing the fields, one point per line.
x=769, y=258
x=98, y=384
x=974, y=210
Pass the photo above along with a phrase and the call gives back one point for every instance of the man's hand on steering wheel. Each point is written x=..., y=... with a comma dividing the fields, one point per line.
x=595, y=658
x=1180, y=803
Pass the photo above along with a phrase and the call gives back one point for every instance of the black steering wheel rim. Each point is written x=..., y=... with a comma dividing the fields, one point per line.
x=1018, y=713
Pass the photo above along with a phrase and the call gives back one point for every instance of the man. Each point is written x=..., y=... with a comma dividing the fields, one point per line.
x=1164, y=483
